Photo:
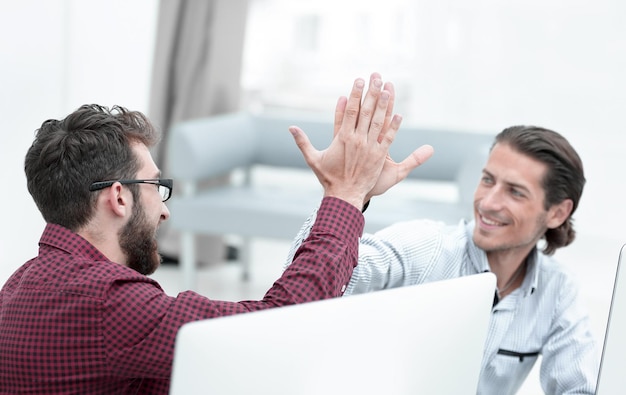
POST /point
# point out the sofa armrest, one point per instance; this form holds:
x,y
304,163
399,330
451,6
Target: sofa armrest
x,y
210,147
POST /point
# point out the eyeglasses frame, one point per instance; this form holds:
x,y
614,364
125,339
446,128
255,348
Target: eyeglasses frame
x,y
162,182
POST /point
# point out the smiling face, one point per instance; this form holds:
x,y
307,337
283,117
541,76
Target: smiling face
x,y
509,203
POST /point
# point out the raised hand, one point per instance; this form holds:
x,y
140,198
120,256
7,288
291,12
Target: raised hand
x,y
339,112
392,172
350,167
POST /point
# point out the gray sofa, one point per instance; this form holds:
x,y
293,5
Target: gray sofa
x,y
255,149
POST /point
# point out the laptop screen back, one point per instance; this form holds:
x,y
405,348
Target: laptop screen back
x,y
612,375
394,342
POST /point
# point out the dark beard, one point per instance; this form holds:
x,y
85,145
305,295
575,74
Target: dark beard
x,y
138,241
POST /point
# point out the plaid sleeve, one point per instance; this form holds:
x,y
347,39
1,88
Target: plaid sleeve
x,y
141,321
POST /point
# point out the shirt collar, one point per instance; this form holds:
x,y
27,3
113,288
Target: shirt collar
x,y
59,237
532,273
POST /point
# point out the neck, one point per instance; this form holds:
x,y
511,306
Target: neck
x,y
510,270
108,246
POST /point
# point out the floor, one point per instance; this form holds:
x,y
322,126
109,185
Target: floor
x,y
593,260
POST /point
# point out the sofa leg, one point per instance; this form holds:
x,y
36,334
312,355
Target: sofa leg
x,y
245,258
188,260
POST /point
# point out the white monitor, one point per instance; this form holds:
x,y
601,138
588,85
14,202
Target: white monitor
x,y
612,375
423,339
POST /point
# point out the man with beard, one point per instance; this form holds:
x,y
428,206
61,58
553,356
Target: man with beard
x,y
82,317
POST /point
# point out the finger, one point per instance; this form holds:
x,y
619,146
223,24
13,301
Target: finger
x,y
340,110
303,143
376,131
392,91
385,139
389,115
374,76
353,106
369,104
416,158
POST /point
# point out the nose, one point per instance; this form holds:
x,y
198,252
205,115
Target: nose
x,y
490,199
165,213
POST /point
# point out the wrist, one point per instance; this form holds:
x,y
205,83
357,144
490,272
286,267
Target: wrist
x,y
356,201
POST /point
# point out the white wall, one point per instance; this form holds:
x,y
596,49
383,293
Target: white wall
x,y
472,65
482,66
54,56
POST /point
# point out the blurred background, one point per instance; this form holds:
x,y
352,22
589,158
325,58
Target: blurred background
x,y
478,65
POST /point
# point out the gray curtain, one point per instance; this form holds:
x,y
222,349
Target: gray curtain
x,y
196,73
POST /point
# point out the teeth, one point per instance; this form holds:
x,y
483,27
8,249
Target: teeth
x,y
490,222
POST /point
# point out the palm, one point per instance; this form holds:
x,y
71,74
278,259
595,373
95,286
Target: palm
x,y
394,172
389,176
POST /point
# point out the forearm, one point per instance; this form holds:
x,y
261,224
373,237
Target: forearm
x,y
374,270
302,234
326,257
399,255
370,274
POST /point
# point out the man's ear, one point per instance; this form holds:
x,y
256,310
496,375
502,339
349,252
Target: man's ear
x,y
117,198
559,213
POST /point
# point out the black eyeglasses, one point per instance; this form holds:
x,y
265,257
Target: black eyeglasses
x,y
164,185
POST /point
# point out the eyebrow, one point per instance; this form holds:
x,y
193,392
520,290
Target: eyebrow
x,y
512,184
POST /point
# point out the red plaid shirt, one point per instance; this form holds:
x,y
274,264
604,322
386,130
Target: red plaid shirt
x,y
71,321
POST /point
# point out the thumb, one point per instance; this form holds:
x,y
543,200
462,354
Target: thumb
x,y
303,143
340,110
417,158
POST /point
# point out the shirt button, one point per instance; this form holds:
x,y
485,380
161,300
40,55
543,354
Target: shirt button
x,y
343,288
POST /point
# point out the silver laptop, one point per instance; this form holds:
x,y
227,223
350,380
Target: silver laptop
x,y
612,375
394,342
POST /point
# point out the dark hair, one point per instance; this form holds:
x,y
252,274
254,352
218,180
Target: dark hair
x,y
564,179
91,144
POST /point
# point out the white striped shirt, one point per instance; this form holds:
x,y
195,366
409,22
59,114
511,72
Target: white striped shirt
x,y
543,316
